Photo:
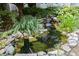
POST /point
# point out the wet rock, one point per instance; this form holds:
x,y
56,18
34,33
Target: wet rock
x,y
66,47
41,53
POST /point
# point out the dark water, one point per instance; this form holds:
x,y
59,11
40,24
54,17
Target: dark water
x,y
25,48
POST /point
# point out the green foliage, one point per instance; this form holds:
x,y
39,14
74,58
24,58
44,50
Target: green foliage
x,y
38,46
6,19
27,24
69,18
39,12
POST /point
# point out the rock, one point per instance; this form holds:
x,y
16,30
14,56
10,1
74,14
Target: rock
x,y
25,36
61,52
66,47
72,43
73,38
45,30
20,54
19,35
32,39
53,37
32,54
41,53
72,54
75,51
13,36
72,35
56,53
52,53
9,50
77,31
42,30
29,54
48,24
2,51
64,33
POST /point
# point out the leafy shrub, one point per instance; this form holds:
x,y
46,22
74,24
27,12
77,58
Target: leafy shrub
x,y
39,12
38,46
6,19
68,17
